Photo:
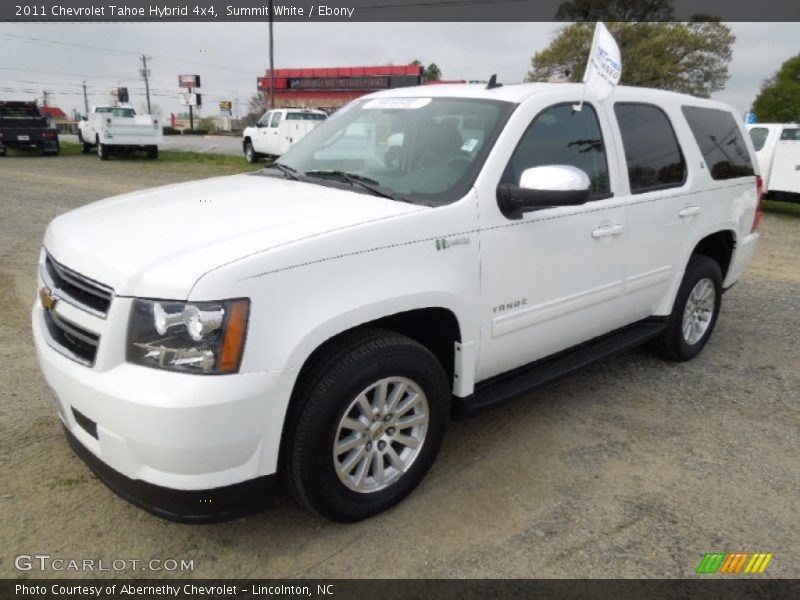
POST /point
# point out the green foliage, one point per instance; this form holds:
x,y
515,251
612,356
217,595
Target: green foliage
x,y
779,98
432,72
684,57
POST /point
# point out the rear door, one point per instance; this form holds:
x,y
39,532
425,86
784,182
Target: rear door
x,y
273,134
261,135
661,211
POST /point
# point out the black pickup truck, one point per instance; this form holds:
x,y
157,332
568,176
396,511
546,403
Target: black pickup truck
x,y
23,126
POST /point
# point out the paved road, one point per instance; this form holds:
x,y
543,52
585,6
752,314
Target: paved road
x,y
632,468
212,144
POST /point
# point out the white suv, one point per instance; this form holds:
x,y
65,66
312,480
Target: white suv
x,y
324,318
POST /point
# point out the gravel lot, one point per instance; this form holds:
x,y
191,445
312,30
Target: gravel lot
x,y
631,468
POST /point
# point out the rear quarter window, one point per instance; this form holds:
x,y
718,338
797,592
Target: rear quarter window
x,y
720,140
759,135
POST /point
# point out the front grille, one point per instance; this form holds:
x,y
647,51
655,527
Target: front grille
x,y
72,340
76,289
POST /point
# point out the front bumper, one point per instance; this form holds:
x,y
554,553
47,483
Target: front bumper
x,y
176,444
185,506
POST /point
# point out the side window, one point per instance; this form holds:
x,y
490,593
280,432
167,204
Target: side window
x,y
264,121
560,136
721,142
758,135
652,153
276,118
790,134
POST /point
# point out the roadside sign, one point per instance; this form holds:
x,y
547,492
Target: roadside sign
x,y
191,99
225,106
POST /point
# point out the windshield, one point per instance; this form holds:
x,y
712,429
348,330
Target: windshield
x,y
116,111
428,150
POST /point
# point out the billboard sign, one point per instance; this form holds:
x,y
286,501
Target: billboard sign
x,y
189,81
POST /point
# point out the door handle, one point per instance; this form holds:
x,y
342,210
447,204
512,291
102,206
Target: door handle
x,y
688,211
607,231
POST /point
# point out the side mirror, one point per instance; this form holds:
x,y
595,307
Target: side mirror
x,y
544,187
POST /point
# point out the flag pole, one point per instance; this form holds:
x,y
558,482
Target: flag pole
x,y
579,106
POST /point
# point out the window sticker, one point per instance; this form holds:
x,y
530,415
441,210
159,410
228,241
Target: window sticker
x,y
397,103
469,145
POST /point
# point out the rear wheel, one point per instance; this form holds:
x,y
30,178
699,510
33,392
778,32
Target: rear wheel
x,y
695,312
152,152
102,151
366,426
249,153
85,148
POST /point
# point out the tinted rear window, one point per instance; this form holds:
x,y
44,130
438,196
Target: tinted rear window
x,y
654,158
791,134
721,142
759,135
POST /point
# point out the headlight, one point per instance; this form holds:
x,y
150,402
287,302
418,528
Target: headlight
x,y
193,337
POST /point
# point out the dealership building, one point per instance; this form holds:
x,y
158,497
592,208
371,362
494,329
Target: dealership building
x,y
332,87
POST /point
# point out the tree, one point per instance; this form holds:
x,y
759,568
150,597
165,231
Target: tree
x,y
688,57
779,98
432,72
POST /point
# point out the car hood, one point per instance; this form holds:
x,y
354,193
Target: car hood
x,y
159,242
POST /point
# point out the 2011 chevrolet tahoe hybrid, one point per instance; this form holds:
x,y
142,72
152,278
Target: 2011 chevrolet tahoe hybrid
x,y
421,255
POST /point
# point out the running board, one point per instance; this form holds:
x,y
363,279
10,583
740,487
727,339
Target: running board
x,y
509,385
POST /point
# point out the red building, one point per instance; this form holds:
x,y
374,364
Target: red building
x,y
332,87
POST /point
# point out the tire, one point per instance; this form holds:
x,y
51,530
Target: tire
x,y
102,151
152,152
702,287
2,151
354,367
250,154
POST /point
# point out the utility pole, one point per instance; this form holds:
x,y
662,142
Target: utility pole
x,y
271,58
85,99
45,98
146,73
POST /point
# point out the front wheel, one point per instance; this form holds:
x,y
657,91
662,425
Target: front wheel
x,y
102,151
366,426
695,312
85,148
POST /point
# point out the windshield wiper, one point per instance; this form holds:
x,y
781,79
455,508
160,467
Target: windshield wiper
x,y
366,183
287,171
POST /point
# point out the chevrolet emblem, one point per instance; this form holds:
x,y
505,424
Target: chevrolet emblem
x,y
48,298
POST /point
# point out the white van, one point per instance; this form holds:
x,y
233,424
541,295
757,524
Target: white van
x,y
325,317
777,148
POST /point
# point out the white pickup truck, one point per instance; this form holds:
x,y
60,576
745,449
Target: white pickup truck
x,y
277,130
325,317
119,129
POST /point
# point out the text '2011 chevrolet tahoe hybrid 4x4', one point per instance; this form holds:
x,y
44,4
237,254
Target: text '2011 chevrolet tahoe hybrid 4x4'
x,y
324,318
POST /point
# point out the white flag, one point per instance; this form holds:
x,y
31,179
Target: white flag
x,y
605,63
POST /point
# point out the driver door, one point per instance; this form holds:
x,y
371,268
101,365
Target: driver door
x,y
554,277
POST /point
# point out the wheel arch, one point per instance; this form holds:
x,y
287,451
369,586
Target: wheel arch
x,y
718,246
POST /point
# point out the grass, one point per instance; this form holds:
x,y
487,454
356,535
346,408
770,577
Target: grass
x,y
173,156
784,208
